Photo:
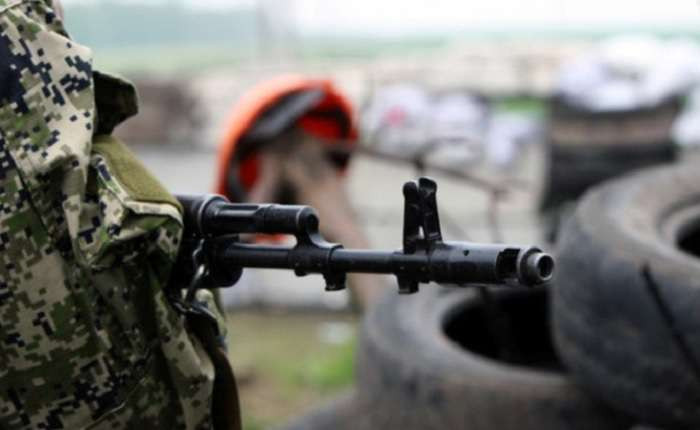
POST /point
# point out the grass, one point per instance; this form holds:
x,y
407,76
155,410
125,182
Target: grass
x,y
521,104
286,363
328,372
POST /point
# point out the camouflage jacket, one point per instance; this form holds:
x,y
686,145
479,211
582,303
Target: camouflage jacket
x,y
87,239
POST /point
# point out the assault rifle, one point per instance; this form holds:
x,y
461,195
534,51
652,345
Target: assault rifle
x,y
217,256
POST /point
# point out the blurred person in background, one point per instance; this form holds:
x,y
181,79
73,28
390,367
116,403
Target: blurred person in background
x,y
289,140
91,338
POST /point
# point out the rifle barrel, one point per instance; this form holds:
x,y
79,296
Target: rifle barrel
x,y
457,263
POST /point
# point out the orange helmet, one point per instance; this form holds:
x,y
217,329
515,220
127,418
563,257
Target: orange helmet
x,y
314,105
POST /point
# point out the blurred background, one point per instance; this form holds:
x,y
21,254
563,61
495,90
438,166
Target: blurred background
x,y
514,107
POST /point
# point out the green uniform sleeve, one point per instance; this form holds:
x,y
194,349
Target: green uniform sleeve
x,y
88,338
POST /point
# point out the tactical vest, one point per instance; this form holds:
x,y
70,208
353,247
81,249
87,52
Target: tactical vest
x,y
88,338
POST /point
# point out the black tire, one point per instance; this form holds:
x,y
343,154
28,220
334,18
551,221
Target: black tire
x,y
626,302
585,148
413,374
574,169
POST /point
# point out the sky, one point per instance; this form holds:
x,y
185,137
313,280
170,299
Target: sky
x,y
412,16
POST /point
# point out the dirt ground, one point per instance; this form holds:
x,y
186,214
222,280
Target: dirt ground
x,y
288,362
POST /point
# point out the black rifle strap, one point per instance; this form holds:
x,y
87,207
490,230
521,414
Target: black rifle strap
x,y
226,410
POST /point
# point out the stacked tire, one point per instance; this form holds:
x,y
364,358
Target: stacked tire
x,y
626,303
585,148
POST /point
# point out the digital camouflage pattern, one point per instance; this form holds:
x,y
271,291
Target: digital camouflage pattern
x,y
87,336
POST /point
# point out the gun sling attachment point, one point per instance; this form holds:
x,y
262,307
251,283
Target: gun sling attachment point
x,y
212,248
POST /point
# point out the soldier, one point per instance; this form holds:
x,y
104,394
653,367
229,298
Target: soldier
x,y
89,336
289,139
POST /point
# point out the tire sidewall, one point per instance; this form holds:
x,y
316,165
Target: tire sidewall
x,y
411,375
620,279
